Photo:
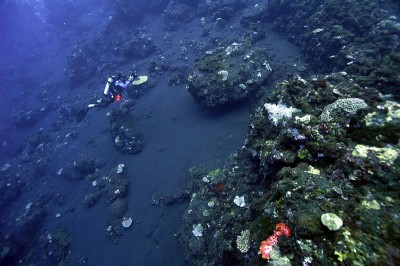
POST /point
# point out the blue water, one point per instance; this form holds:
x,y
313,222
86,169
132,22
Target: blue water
x,y
178,135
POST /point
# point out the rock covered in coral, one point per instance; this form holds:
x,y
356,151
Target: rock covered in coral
x,y
229,75
212,206
10,186
349,40
129,11
29,118
119,207
92,56
116,186
126,136
223,9
22,232
137,46
91,199
175,15
256,14
81,64
80,168
57,246
116,190
319,167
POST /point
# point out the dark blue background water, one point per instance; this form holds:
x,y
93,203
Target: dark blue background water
x,y
179,134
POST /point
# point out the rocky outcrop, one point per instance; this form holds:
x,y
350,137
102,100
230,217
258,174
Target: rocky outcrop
x,y
228,75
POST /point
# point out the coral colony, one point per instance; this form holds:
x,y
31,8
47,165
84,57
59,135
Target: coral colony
x,y
267,245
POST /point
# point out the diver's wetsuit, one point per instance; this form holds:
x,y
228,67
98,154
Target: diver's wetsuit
x,y
112,89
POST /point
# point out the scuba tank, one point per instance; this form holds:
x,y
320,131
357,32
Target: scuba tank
x,y
107,87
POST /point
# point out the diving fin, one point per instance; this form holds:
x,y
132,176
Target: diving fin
x,y
140,80
82,113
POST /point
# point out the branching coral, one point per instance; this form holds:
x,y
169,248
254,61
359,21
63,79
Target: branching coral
x,y
267,245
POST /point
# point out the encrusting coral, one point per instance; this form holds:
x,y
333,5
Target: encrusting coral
x,y
268,245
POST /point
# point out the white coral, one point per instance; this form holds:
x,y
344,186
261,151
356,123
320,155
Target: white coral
x,y
243,241
239,201
197,230
349,105
120,168
224,74
127,222
279,113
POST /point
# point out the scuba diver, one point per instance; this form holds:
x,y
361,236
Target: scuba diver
x,y
113,90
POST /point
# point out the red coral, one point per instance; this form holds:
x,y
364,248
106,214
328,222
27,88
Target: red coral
x,y
283,229
219,187
267,245
321,84
265,249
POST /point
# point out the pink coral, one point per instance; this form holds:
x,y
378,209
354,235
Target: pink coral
x,y
282,229
267,245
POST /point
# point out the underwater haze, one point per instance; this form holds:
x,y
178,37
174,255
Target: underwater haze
x,y
203,132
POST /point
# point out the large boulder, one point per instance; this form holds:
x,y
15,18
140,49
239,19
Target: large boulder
x,y
129,11
176,15
229,75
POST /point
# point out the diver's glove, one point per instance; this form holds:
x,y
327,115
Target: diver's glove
x,y
133,75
